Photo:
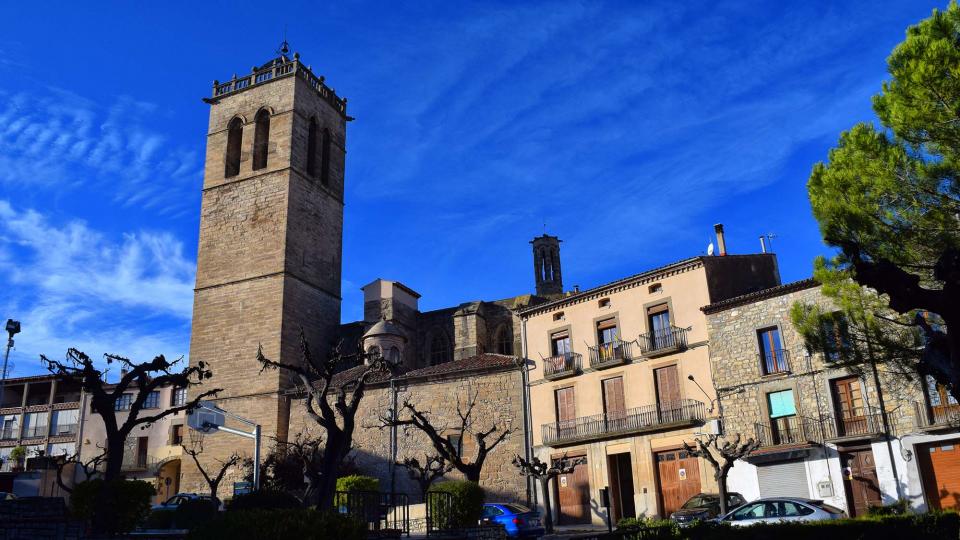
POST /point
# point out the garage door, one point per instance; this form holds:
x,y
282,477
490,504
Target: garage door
x,y
678,479
573,493
786,479
940,469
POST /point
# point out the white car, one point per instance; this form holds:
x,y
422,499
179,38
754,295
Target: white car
x,y
781,510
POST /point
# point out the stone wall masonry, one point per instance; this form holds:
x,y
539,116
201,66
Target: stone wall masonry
x,y
499,400
735,364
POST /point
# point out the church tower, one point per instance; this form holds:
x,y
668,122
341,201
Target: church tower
x,y
271,227
546,265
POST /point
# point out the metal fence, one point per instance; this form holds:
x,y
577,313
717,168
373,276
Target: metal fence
x,y
629,420
380,511
441,513
561,365
662,341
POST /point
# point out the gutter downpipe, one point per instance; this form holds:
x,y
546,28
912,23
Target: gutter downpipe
x,y
527,435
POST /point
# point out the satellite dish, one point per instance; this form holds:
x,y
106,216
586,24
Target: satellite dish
x,y
710,249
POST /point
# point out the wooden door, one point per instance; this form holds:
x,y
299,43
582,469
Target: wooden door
x,y
620,480
573,496
614,406
860,481
668,394
848,406
940,473
678,479
566,411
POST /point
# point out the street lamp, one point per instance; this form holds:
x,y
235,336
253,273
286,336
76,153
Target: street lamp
x,y
13,328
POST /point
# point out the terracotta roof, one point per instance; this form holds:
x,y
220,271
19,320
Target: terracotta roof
x,y
480,362
474,364
750,298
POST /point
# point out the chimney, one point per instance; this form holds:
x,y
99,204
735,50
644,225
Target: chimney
x,y
763,244
721,243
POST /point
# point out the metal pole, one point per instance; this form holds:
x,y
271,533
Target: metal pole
x,y
256,458
3,376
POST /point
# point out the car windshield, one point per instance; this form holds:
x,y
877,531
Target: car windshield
x,y
516,508
701,501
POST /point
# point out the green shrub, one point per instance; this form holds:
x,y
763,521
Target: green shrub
x,y
194,513
357,482
263,500
129,504
900,507
299,524
466,503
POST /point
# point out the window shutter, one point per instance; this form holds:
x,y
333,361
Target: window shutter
x,y
782,404
660,308
609,323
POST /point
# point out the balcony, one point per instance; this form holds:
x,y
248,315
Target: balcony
x,y
35,432
661,416
788,430
610,354
775,363
938,416
662,342
561,365
861,422
63,430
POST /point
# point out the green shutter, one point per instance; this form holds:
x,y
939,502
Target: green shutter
x,y
781,404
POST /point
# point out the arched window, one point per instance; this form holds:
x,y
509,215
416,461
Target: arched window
x,y
394,355
312,148
439,349
325,158
234,147
503,342
261,139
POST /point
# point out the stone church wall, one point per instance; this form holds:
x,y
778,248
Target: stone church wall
x,y
499,400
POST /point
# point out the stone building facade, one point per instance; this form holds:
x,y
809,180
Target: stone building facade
x,y
825,430
495,381
620,374
269,262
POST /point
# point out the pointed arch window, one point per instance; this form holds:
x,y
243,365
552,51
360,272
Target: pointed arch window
x,y
234,147
439,349
261,139
504,340
312,147
325,158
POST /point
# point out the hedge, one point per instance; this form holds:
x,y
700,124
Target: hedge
x,y
129,505
932,526
466,504
299,524
357,482
263,499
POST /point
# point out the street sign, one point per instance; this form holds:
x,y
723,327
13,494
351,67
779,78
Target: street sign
x,y
242,488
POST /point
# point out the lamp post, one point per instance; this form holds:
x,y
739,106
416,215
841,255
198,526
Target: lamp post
x,y
13,328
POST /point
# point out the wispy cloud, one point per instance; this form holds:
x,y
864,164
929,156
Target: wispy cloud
x,y
75,287
53,138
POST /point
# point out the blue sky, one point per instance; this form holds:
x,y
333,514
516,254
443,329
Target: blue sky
x,y
628,128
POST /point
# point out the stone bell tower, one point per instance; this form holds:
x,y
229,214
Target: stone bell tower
x,y
271,228
546,265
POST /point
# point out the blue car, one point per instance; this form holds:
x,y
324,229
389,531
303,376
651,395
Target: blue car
x,y
518,520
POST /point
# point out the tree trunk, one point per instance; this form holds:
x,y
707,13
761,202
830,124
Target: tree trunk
x,y
721,478
547,510
471,472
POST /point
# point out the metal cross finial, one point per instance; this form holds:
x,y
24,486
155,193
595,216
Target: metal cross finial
x,y
284,46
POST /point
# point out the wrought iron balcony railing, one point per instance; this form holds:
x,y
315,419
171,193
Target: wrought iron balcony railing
x,y
936,416
774,362
788,430
34,432
610,354
638,419
61,430
858,422
662,342
561,365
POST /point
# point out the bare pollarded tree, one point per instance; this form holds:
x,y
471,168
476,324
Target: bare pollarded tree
x,y
332,405
91,467
486,439
213,479
721,454
544,473
426,473
137,381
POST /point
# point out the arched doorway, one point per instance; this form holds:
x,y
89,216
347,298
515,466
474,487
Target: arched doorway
x,y
168,480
